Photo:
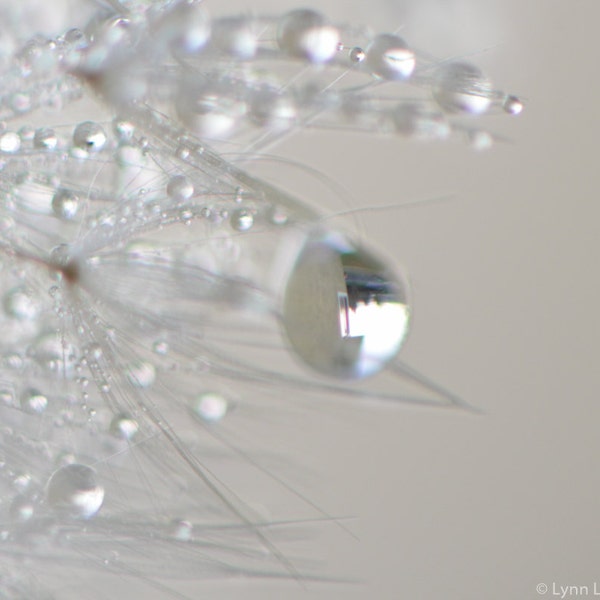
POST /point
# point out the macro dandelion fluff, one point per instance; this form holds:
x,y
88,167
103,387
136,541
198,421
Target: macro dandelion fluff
x,y
151,283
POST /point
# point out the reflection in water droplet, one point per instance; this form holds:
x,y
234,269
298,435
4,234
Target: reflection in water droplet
x,y
73,492
89,135
124,426
344,313
390,58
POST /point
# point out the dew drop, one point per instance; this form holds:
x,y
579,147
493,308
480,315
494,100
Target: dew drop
x,y
10,142
389,57
512,105
21,509
180,188
124,427
357,54
34,402
45,139
65,204
241,220
344,313
306,34
461,87
89,136
74,493
272,110
21,305
181,530
141,374
210,406
235,36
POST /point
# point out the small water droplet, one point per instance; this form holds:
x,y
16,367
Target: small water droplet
x,y
90,136
45,139
357,54
512,105
210,406
20,304
389,57
241,220
306,34
124,426
10,142
460,87
33,401
65,204
141,374
180,188
74,493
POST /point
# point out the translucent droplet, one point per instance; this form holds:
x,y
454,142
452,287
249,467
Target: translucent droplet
x,y
461,87
389,57
186,28
241,220
181,530
45,139
357,55
21,509
236,36
55,354
160,347
124,129
210,406
10,142
180,188
65,204
306,34
141,374
512,105
212,112
20,304
124,426
73,492
412,120
34,402
89,136
272,109
345,314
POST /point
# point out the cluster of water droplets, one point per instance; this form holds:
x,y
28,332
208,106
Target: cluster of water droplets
x,y
140,271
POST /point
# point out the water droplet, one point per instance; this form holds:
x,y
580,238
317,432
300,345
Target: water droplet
x,y
20,304
344,313
124,426
272,109
241,220
180,188
181,530
89,136
65,204
10,142
34,402
123,129
306,34
141,374
45,139
73,492
21,509
389,57
160,347
357,55
235,36
512,105
210,406
461,87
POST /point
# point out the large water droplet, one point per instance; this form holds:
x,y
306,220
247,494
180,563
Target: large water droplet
x,y
461,87
306,33
345,314
73,492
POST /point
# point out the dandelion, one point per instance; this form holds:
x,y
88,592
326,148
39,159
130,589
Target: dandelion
x,y
154,290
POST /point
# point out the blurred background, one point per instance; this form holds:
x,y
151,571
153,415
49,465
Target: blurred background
x,y
506,295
